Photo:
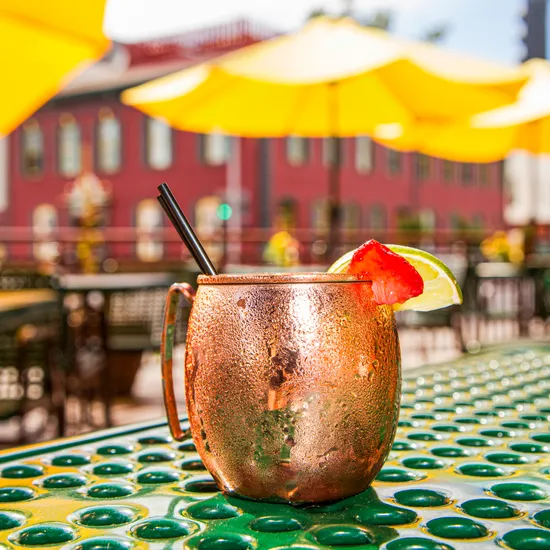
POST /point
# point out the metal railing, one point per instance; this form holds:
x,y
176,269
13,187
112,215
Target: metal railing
x,y
22,245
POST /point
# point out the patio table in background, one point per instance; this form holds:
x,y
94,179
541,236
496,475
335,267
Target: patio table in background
x,y
18,307
109,320
470,468
505,292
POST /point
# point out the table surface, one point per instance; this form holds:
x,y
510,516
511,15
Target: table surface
x,y
12,300
470,468
114,281
21,307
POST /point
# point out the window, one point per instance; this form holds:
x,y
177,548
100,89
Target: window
x,y
44,222
377,217
207,223
69,147
427,219
159,148
108,145
297,150
406,220
393,159
149,218
86,197
206,218
32,149
215,148
483,174
330,151
351,216
478,222
448,171
467,172
287,213
320,216
364,154
456,222
423,167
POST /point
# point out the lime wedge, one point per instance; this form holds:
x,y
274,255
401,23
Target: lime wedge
x,y
440,286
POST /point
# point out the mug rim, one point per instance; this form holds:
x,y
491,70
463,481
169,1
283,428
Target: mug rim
x,y
311,277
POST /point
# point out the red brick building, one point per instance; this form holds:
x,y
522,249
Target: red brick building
x,y
379,187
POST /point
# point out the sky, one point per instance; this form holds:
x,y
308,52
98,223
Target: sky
x,y
490,29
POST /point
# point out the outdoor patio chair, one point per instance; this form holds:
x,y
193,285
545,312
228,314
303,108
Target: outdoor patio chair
x,y
504,301
428,328
21,279
134,326
31,398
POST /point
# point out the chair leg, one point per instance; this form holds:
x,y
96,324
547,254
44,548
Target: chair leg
x,y
424,345
457,328
20,366
58,383
107,392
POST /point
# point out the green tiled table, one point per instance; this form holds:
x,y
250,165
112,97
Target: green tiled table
x,y
470,468
20,307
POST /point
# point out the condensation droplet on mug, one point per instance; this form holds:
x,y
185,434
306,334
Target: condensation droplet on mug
x,y
363,371
271,350
331,450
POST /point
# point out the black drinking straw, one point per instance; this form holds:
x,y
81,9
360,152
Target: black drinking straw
x,y
185,231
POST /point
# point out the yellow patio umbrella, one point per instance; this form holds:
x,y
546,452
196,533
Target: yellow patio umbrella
x,y
44,44
489,136
334,78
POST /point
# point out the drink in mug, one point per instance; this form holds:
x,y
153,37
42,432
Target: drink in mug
x,y
292,382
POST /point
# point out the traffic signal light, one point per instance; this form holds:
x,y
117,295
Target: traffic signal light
x,y
224,212
534,35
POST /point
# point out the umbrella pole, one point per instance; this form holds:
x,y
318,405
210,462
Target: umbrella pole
x,y
536,162
534,165
234,196
334,199
335,173
534,158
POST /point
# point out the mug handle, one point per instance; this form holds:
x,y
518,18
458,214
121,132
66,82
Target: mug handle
x,y
166,351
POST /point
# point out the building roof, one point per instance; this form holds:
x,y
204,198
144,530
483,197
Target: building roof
x,y
94,80
128,65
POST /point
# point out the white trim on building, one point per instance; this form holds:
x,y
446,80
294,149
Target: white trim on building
x,y
4,173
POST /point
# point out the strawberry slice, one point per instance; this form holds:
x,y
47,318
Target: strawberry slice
x,y
394,279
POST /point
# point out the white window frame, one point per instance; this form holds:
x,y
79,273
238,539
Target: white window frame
x,y
297,150
159,144
69,167
30,126
217,148
108,147
364,155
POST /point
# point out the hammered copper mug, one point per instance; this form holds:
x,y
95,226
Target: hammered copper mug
x,y
292,383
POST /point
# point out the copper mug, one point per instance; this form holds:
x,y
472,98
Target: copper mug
x,y
292,383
